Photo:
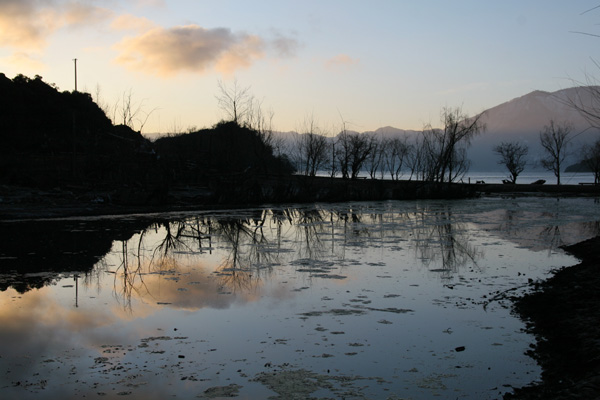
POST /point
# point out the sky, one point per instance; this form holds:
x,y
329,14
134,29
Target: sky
x,y
367,64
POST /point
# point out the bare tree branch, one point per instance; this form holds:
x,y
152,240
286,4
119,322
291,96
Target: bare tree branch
x,y
235,101
555,139
512,156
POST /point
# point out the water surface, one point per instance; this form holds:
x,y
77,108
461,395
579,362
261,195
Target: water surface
x,y
355,300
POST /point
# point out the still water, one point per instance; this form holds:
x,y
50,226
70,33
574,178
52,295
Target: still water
x,y
377,300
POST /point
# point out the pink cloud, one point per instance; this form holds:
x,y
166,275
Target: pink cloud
x,y
192,48
26,24
341,60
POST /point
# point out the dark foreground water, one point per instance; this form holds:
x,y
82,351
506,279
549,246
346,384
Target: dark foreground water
x,y
351,300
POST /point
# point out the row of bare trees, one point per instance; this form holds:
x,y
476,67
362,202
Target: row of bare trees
x,y
434,154
438,155
556,139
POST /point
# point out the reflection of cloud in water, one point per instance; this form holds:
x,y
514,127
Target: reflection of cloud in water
x,y
230,272
192,291
192,286
41,322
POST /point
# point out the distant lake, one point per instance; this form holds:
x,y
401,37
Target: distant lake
x,y
358,300
566,178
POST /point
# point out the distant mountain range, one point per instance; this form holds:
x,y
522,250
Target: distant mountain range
x,y
520,119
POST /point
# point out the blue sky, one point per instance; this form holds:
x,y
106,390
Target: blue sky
x,y
373,63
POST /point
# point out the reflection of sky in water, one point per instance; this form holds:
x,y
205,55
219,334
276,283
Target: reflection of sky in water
x,y
384,291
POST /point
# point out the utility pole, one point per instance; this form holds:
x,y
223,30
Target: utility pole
x,y
74,160
75,62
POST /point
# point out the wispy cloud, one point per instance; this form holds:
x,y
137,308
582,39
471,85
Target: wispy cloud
x,y
26,24
128,22
26,27
341,60
79,14
192,48
150,3
284,46
24,62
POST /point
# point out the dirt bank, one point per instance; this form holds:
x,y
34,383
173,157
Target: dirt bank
x,y
564,315
19,202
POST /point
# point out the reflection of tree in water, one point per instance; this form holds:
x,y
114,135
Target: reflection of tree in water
x,y
591,228
249,252
551,236
354,232
330,232
128,275
256,240
352,223
542,230
310,226
174,238
247,259
510,223
317,231
440,237
136,260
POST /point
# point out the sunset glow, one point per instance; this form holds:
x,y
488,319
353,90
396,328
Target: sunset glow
x,y
375,64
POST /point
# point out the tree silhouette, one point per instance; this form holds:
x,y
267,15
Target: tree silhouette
x,y
235,101
512,156
555,139
591,159
445,149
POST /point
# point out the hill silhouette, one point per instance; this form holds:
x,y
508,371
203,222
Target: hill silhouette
x,y
227,148
64,146
51,138
64,139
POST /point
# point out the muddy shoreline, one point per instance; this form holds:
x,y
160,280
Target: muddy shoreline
x,y
20,202
563,313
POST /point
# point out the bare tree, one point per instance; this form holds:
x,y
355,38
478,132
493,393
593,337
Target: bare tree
x,y
376,156
512,156
130,113
342,152
591,159
361,146
311,154
415,158
260,121
351,151
555,139
333,165
99,100
446,148
586,99
235,101
389,156
246,111
397,150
